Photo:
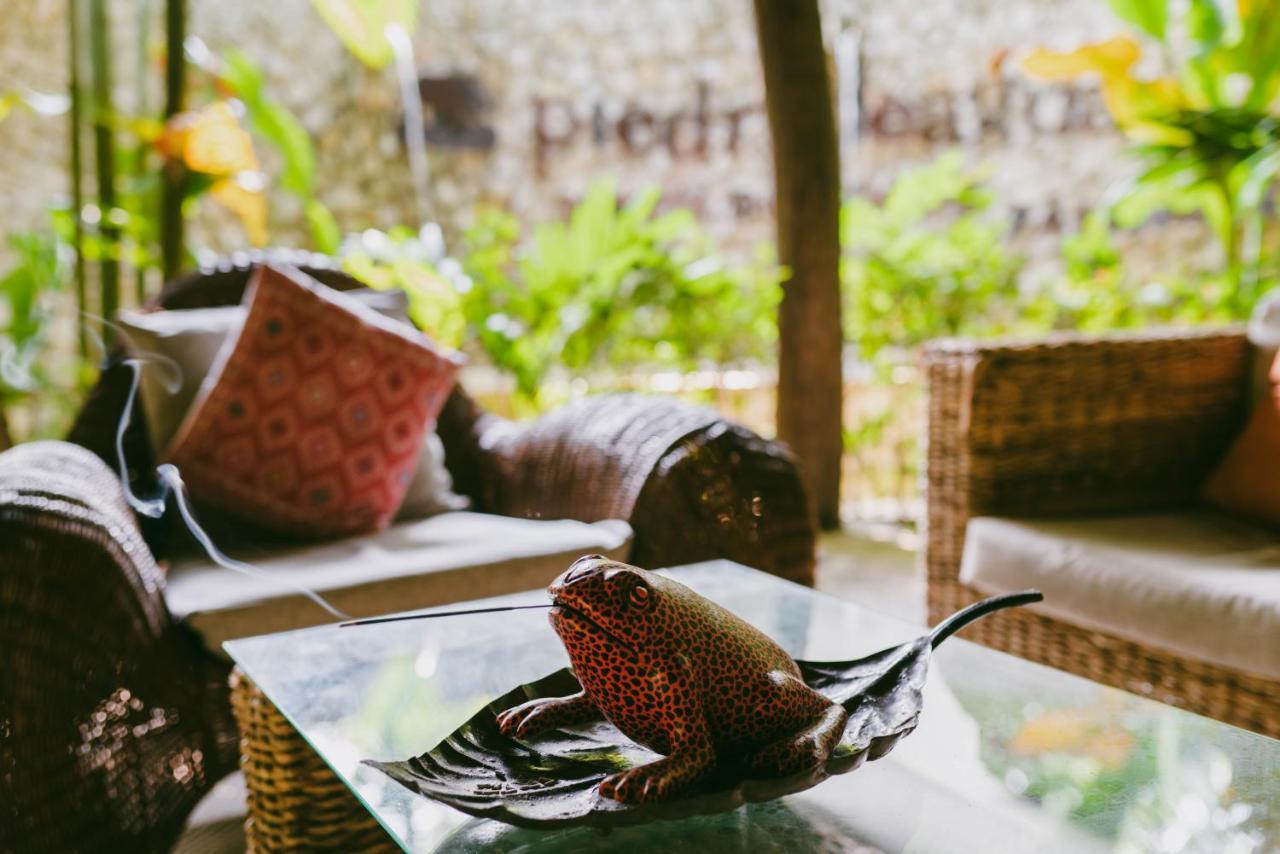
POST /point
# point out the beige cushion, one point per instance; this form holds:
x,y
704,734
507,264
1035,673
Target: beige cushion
x,y
1198,583
430,490
447,558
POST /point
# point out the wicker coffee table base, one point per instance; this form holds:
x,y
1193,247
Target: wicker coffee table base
x,y
296,802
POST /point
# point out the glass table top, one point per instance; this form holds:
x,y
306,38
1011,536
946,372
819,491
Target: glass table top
x,y
1008,755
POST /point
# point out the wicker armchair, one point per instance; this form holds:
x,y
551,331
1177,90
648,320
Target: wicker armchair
x,y
114,721
1072,426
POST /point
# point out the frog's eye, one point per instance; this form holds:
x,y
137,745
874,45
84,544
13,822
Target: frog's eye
x,y
639,596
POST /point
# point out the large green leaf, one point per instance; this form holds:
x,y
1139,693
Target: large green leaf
x,y
551,780
325,233
1205,24
362,25
282,130
1258,53
1150,16
1259,174
1171,185
273,122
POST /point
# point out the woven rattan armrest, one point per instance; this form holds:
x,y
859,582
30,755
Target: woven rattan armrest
x,y
113,723
1074,425
693,485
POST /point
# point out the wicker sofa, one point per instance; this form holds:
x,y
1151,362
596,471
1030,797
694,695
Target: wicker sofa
x,y
1021,433
115,719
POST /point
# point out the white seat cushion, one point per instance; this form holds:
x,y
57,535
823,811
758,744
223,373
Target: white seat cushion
x,y
1197,583
446,558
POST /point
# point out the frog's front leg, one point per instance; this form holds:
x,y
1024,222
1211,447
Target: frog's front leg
x,y
688,744
537,716
689,759
805,749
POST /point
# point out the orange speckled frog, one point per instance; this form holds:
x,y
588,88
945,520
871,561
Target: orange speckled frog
x,y
680,675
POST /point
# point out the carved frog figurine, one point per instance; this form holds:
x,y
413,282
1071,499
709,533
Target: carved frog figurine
x,y
680,675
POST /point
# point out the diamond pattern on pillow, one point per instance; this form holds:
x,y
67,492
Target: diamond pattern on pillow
x,y
312,419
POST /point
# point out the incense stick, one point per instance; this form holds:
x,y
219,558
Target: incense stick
x,y
371,620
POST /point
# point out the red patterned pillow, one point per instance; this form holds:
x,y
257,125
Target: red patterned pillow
x,y
311,420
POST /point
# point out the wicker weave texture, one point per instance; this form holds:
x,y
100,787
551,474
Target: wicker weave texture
x,y
296,802
1084,426
111,722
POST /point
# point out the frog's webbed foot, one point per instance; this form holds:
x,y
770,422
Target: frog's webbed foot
x,y
805,749
537,716
660,779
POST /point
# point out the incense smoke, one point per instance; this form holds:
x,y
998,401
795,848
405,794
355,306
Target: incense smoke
x,y
171,485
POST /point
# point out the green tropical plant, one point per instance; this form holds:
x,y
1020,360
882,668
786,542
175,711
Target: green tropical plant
x,y
415,262
1097,292
28,294
25,288
105,154
614,285
926,261
362,25
1207,127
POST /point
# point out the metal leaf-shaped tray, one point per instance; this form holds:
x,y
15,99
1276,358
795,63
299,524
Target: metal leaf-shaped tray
x,y
551,781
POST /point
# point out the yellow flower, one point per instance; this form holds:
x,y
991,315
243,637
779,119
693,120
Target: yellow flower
x,y
1109,58
210,141
1131,102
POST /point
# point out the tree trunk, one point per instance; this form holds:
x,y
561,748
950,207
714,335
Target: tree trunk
x,y
807,181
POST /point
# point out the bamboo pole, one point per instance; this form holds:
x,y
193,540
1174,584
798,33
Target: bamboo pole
x,y
175,69
74,11
807,180
141,108
104,160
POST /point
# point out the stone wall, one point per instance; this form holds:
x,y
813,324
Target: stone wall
x,y
33,149
666,92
